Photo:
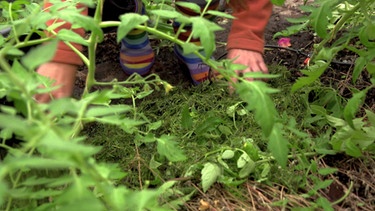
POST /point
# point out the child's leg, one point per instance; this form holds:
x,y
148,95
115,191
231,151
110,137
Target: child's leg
x,y
136,55
198,70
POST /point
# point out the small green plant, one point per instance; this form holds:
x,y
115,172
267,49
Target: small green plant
x,y
51,133
341,26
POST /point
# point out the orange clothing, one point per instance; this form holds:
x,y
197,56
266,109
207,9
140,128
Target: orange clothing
x,y
247,31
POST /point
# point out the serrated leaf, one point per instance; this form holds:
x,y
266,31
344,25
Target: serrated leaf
x,y
210,173
320,18
278,146
167,146
315,71
128,22
39,55
353,105
227,154
264,108
205,31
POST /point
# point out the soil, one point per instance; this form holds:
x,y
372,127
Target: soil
x,y
360,173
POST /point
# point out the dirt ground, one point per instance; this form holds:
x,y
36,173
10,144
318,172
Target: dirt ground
x,y
350,169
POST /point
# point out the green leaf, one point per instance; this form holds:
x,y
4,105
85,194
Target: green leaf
x,y
370,116
352,149
204,29
243,160
336,122
353,105
220,14
359,66
208,125
320,17
128,22
291,30
327,171
168,147
227,154
86,22
143,94
189,48
186,119
366,35
210,173
315,71
38,163
13,51
225,130
371,68
39,55
278,146
70,36
324,203
256,94
252,150
155,125
33,180
322,184
4,192
247,169
141,200
98,111
193,6
166,13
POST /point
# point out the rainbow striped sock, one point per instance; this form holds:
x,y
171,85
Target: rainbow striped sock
x,y
136,54
199,71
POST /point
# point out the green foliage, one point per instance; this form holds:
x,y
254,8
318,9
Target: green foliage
x,y
56,167
341,25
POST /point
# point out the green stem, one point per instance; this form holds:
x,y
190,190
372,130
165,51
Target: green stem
x,y
12,21
345,195
179,30
90,79
158,17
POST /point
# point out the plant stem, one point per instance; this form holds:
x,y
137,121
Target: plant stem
x,y
90,79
